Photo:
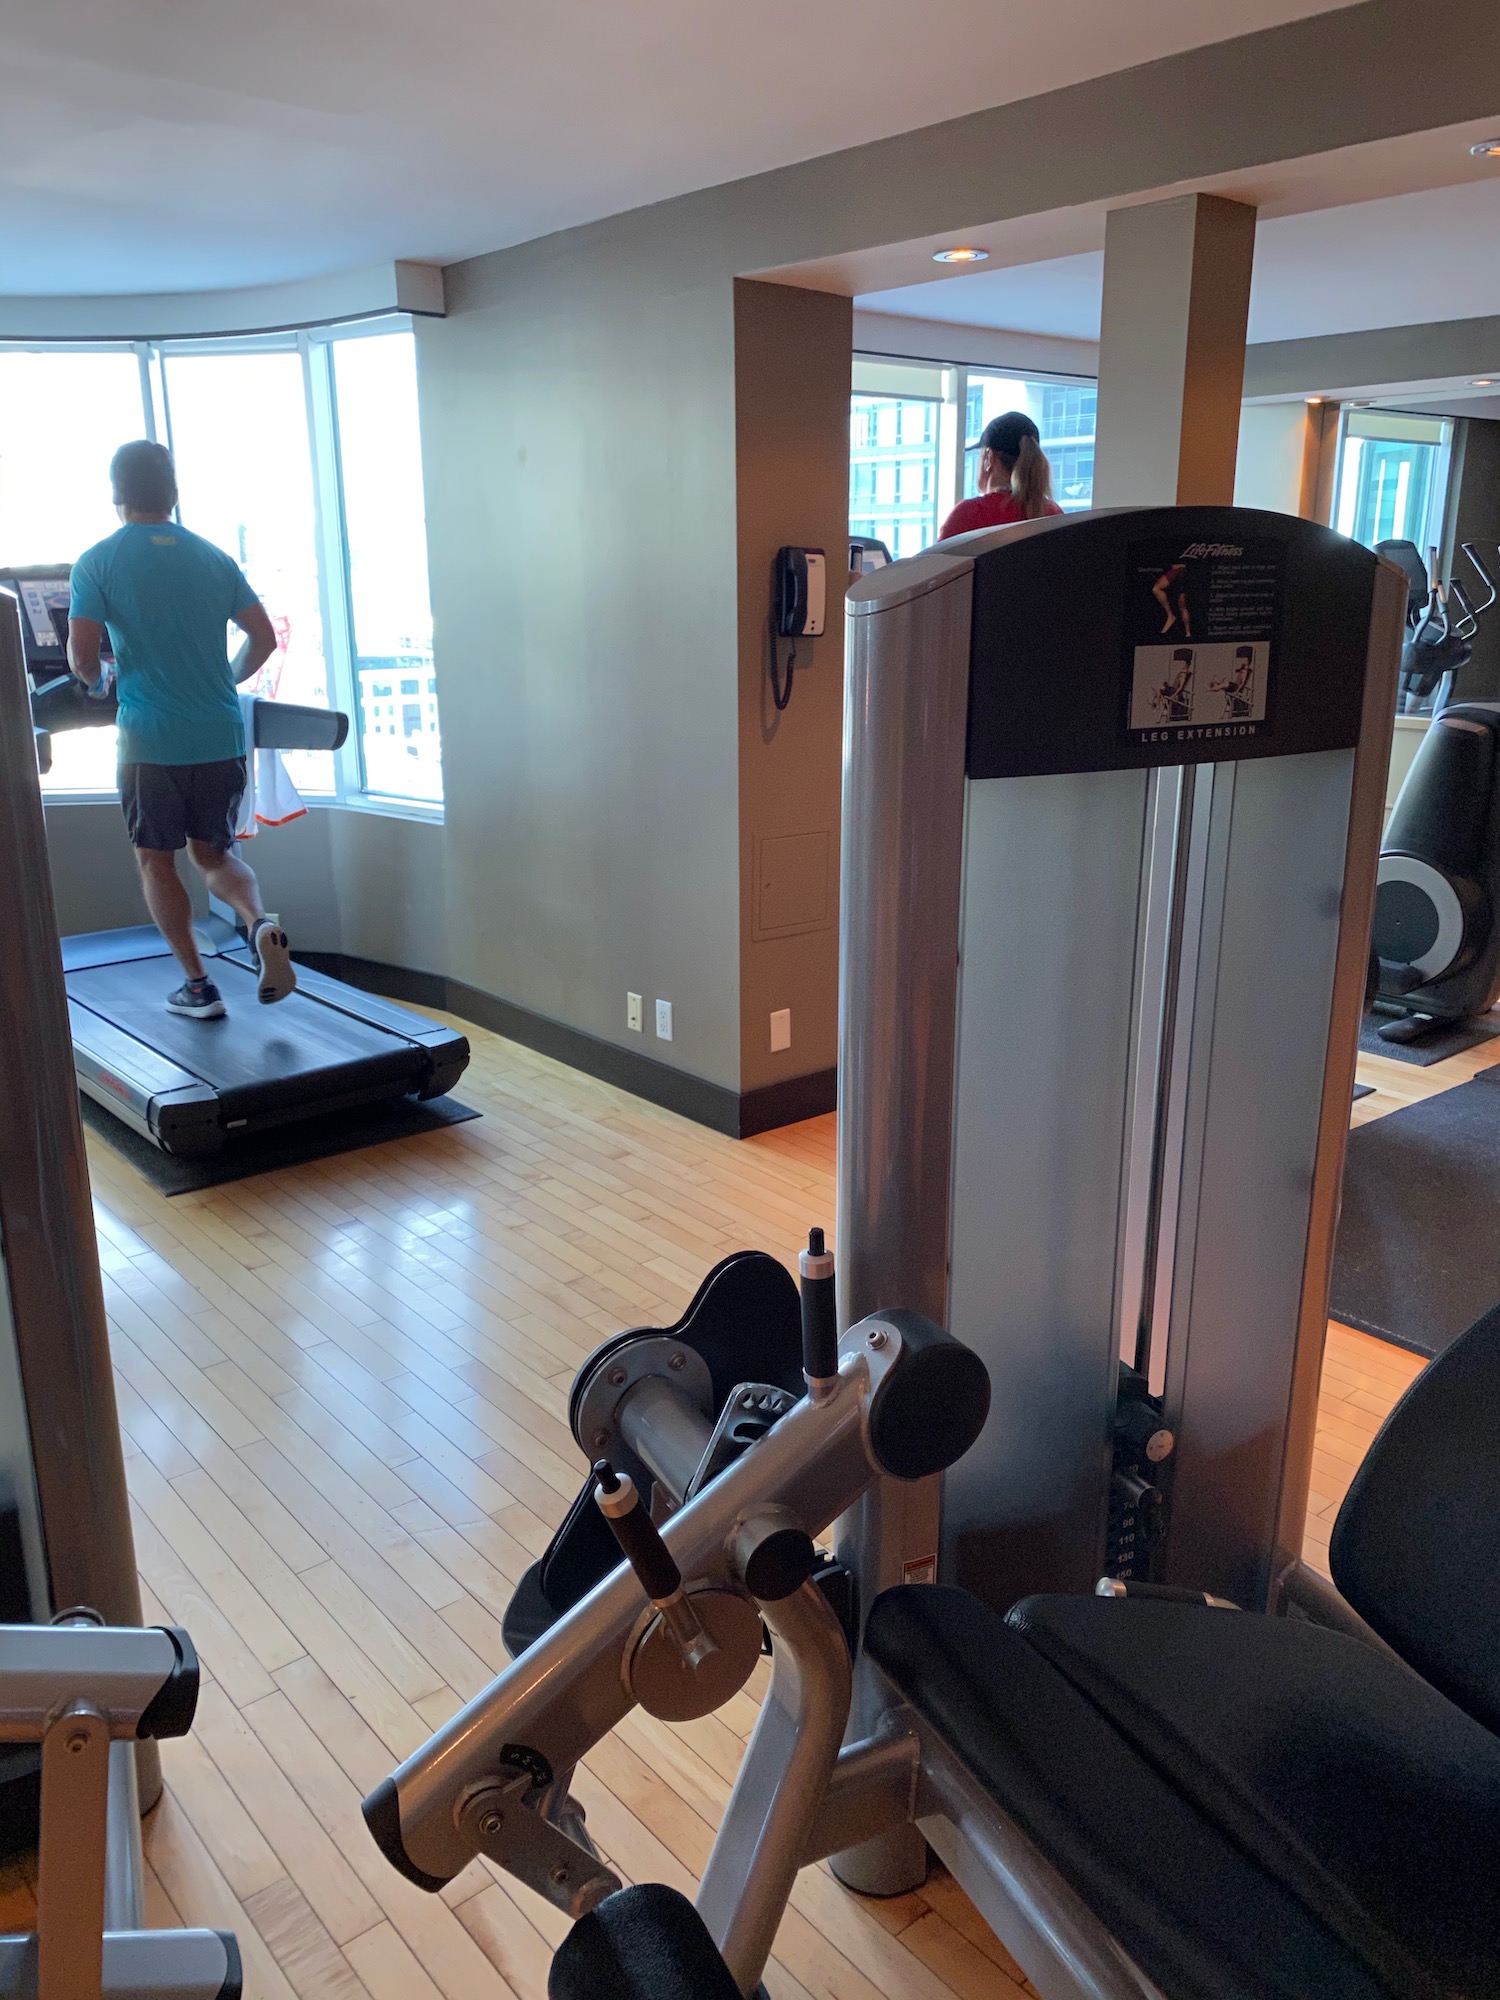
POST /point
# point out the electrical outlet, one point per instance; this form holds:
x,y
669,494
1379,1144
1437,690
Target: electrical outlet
x,y
635,1013
664,1020
781,1030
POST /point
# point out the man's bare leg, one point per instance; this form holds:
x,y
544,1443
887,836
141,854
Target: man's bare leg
x,y
231,881
170,906
234,883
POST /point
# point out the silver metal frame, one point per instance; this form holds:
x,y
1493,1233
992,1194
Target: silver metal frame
x,y
482,1784
1206,1181
81,1691
572,1686
1061,1946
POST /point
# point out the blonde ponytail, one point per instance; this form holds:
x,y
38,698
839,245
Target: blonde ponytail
x,y
1031,479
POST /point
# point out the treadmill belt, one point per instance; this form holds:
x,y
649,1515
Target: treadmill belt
x,y
251,1046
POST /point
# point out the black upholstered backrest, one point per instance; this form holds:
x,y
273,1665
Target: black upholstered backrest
x,y
1416,1547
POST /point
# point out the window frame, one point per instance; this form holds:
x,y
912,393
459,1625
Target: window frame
x,y
314,347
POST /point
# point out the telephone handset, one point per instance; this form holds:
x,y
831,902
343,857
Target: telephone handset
x,y
799,600
801,592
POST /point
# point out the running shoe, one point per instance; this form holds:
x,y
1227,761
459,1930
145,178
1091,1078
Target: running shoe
x,y
198,997
278,976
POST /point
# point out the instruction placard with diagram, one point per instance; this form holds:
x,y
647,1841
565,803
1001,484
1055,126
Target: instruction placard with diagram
x,y
1201,626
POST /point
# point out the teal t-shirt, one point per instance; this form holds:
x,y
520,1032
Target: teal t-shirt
x,y
166,597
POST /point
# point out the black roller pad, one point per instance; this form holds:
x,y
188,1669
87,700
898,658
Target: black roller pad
x,y
643,1943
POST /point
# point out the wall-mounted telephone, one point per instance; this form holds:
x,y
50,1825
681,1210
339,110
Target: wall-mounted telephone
x,y
801,593
799,604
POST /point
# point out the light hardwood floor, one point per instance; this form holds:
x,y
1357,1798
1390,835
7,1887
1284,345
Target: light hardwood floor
x,y
343,1390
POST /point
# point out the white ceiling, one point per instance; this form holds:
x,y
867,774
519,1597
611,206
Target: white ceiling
x,y
1408,258
160,145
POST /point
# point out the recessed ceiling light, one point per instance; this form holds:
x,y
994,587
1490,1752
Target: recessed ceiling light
x,y
1365,404
1483,382
1487,149
962,253
1313,399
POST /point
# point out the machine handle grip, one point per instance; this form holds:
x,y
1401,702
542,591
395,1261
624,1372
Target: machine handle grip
x,y
640,1542
820,1327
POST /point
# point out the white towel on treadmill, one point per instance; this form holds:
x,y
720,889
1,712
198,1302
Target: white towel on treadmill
x,y
271,799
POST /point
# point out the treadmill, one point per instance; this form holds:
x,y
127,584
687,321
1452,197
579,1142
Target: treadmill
x,y
195,1087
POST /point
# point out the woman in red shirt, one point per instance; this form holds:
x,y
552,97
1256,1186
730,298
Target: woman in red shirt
x,y
1015,480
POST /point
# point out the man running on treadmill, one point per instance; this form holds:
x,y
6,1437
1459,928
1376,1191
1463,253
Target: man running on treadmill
x,y
167,597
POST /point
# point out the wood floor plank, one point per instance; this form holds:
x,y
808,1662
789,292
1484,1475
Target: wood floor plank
x,y
516,1949
331,1886
198,1890
424,1924
301,1945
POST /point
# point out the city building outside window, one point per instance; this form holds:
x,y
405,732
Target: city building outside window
x,y
893,471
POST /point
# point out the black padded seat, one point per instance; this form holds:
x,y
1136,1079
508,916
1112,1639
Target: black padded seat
x,y
1348,1779
1268,1771
1194,1911
1416,1547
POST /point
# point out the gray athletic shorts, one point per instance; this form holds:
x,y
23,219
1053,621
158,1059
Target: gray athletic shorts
x,y
167,805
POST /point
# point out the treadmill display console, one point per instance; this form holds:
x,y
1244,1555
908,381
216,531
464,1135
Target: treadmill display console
x,y
44,594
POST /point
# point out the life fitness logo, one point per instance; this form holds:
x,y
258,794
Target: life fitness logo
x,y
1195,549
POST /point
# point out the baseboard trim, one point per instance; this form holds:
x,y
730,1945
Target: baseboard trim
x,y
738,1114
788,1102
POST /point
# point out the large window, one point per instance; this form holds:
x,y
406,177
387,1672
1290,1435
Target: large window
x,y
244,473
1393,478
1392,486
898,442
300,456
914,430
385,532
55,407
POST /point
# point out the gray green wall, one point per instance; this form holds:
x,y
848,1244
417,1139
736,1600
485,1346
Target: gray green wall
x,y
578,441
353,882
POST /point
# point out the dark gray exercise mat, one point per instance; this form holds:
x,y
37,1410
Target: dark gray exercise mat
x,y
1418,1255
284,1146
1432,1048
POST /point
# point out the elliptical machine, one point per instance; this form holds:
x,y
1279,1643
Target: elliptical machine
x,y
1436,933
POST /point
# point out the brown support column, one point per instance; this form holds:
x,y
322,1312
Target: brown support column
x,y
1320,461
793,351
51,1295
1172,351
